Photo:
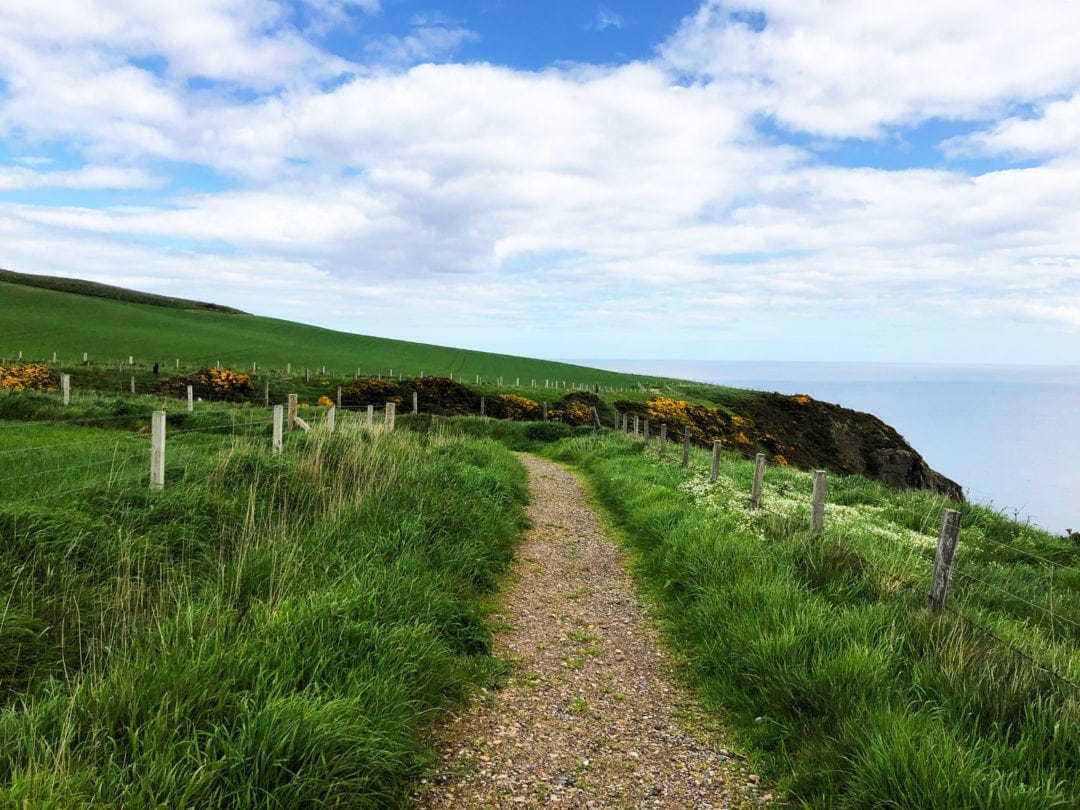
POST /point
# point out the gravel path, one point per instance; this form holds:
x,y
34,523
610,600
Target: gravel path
x,y
591,715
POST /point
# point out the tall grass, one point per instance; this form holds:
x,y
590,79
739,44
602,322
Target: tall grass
x,y
821,650
267,631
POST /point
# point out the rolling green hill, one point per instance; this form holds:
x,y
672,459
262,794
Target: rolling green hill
x,y
111,324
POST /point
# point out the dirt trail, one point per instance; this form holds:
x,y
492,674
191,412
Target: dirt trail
x,y
591,716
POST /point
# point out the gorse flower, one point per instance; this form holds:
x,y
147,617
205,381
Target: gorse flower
x,y
25,376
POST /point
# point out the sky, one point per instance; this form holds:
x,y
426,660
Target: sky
x,y
776,180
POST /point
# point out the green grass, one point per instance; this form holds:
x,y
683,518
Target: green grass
x,y
40,321
821,650
269,630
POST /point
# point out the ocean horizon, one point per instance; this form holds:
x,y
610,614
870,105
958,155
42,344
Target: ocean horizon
x,y
1008,434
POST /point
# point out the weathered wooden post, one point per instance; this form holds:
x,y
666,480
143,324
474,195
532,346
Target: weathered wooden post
x,y
157,450
685,447
615,422
131,359
178,362
133,385
370,417
339,396
645,431
254,368
625,419
331,418
715,471
279,414
54,357
483,406
85,358
595,418
266,394
291,415
307,375
663,438
637,428
817,507
759,476
288,369
389,421
545,411
940,580
190,398
65,388
415,403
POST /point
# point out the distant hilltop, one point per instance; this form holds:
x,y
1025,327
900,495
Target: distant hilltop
x,y
97,290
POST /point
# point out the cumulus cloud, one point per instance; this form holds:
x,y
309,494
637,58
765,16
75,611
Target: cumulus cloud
x,y
850,68
643,191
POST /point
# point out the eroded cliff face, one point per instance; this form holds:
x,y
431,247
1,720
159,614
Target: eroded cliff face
x,y
818,435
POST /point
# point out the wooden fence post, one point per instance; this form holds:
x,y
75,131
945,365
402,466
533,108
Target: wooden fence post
x,y
624,421
817,507
415,404
483,405
291,415
266,394
948,537
545,410
715,471
331,416
615,424
85,358
759,476
595,419
636,427
279,414
663,438
133,385
288,369
307,375
391,408
65,388
339,396
190,399
131,359
645,431
157,450
685,447
370,417
54,357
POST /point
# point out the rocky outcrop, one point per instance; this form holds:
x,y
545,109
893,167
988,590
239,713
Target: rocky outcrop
x,y
818,435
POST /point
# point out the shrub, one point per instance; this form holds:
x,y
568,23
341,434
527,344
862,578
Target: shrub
x,y
517,408
371,391
218,384
547,431
442,396
26,376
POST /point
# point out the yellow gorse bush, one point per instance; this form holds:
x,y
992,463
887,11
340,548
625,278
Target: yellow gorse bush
x,y
520,408
325,402
26,376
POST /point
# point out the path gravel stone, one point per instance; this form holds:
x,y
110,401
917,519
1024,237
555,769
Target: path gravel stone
x,y
591,715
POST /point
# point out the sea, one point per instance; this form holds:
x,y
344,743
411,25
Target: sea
x,y
1009,435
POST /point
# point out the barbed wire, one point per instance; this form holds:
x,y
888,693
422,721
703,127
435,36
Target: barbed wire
x,y
1053,616
1006,643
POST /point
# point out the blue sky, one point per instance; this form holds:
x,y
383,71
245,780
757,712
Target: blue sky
x,y
842,180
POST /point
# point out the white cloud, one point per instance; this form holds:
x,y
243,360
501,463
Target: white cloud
x,y
848,68
1054,131
425,43
88,177
606,18
538,199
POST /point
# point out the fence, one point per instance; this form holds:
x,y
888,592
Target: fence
x,y
935,584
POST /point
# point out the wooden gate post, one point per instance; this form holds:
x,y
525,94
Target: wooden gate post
x,y
817,507
279,417
291,415
759,475
940,580
157,450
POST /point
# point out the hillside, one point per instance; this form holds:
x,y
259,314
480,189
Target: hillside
x,y
42,316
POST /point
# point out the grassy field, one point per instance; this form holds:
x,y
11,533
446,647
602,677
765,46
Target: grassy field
x,y
39,321
269,630
821,649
